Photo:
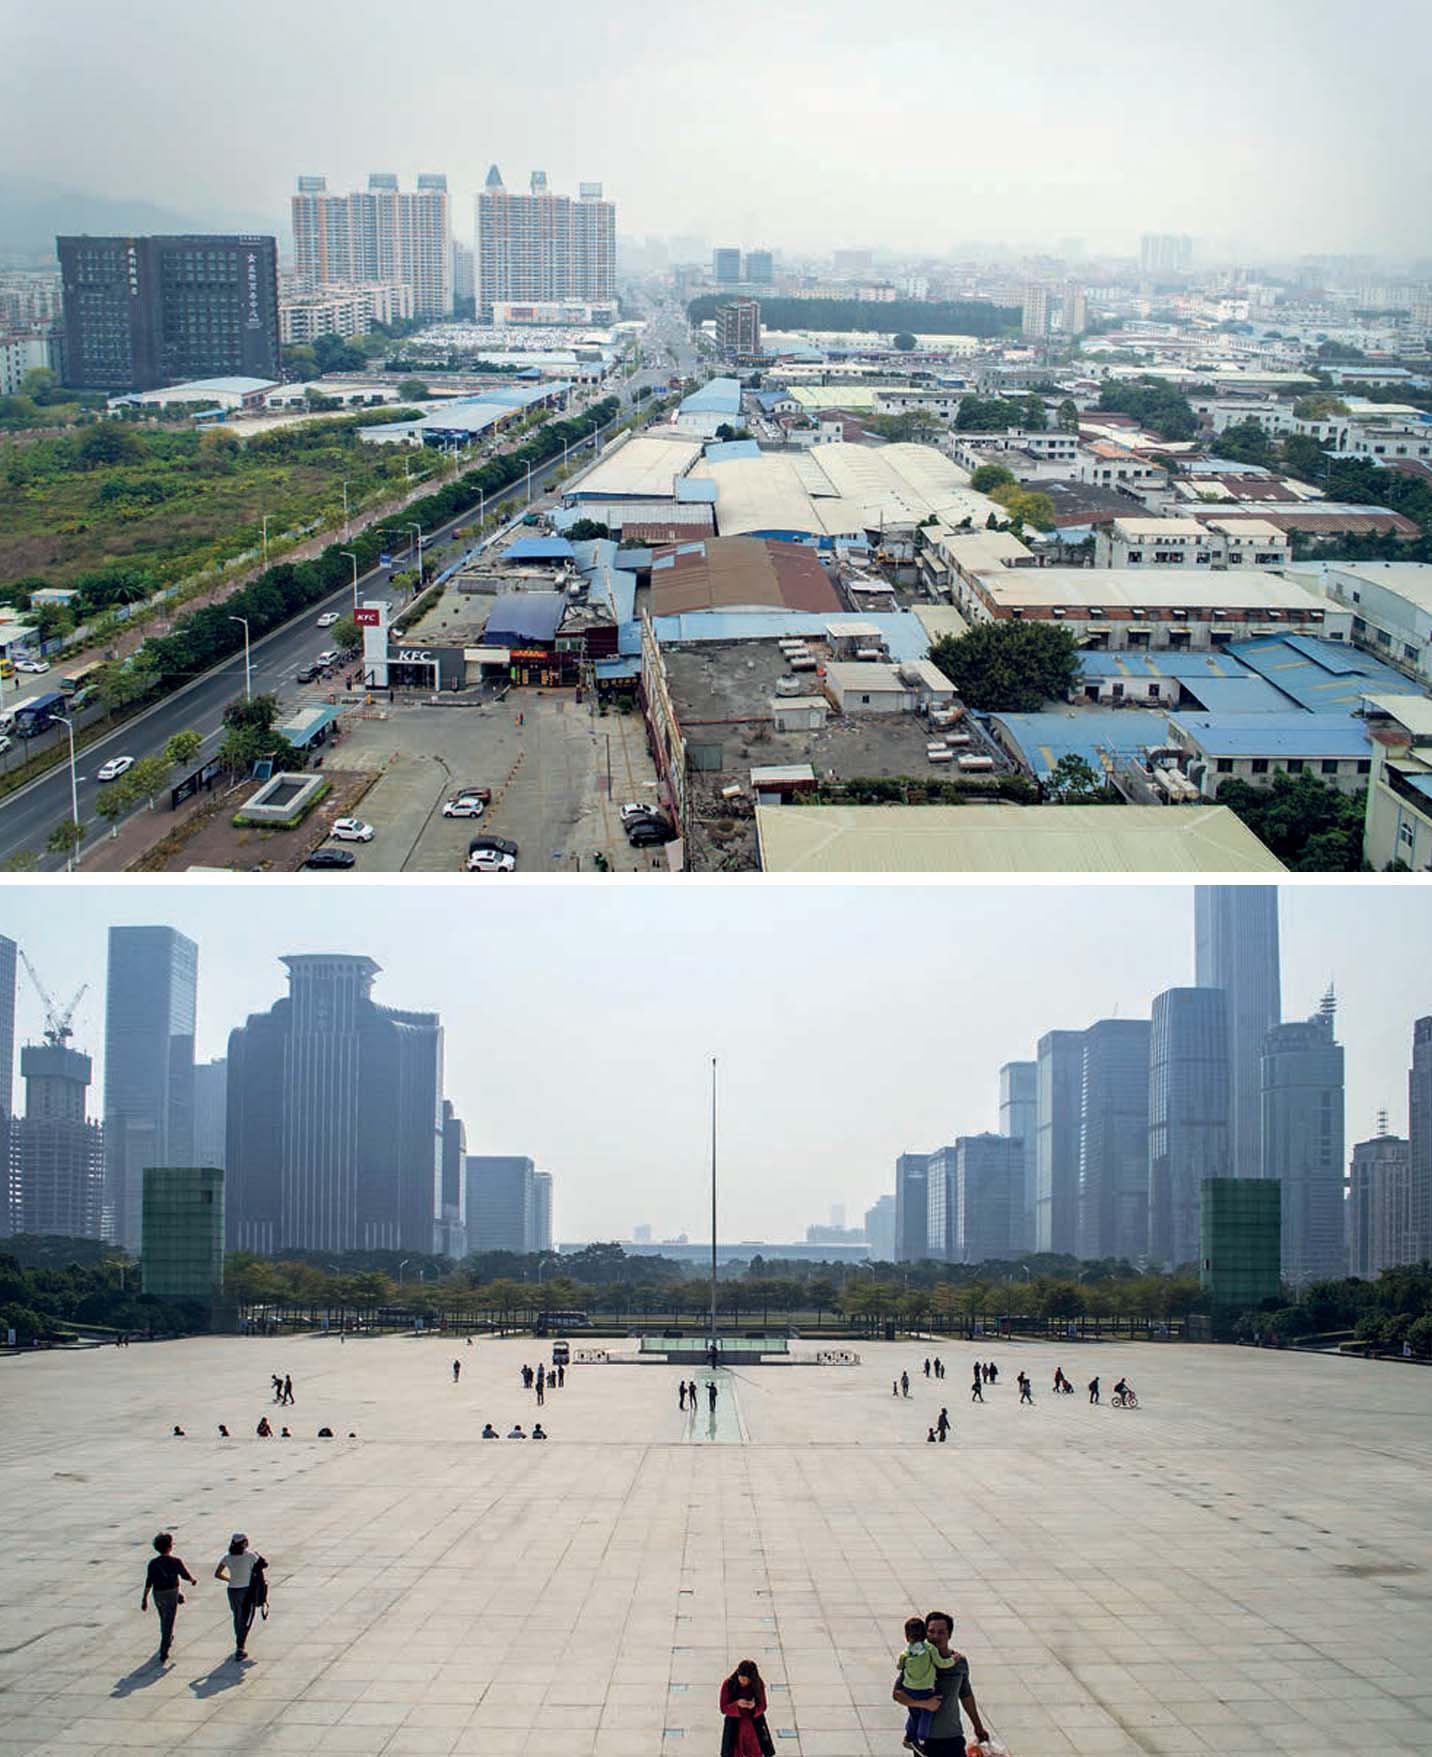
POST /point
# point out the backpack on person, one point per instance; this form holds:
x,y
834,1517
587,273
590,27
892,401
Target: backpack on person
x,y
258,1589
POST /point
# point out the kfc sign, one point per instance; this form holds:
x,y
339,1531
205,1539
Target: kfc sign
x,y
370,616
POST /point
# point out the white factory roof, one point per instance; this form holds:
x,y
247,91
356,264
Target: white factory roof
x,y
1139,588
1008,838
645,468
1411,580
1138,529
838,490
866,674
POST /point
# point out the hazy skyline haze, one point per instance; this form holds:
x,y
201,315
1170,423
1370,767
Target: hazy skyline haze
x,y
1271,123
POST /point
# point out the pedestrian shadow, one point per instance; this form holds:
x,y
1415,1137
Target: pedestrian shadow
x,y
226,1676
141,1677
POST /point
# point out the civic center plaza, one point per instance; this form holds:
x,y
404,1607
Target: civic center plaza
x,y
1241,1565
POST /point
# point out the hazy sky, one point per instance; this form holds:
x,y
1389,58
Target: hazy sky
x,y
1285,124
852,1022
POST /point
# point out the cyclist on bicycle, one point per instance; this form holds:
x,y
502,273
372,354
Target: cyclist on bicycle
x,y
1123,1389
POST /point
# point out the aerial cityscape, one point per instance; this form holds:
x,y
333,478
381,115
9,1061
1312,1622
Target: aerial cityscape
x,y
903,1223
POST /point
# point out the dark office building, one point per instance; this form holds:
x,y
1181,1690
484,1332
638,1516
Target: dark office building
x,y
1240,1226
726,267
145,312
912,1216
57,1167
760,268
501,1203
989,1197
1188,1116
8,953
1236,950
1060,1098
334,1118
1019,1121
1114,1140
450,1237
1303,1143
1419,1137
150,996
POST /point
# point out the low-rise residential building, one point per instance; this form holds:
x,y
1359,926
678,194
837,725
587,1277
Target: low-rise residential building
x,y
1191,542
343,310
20,353
1399,796
1106,464
1256,747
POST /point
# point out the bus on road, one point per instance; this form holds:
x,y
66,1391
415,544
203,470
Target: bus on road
x,y
84,678
35,715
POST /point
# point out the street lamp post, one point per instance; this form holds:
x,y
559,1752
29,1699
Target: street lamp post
x,y
354,559
74,792
248,675
345,512
403,1265
713,1208
266,520
419,530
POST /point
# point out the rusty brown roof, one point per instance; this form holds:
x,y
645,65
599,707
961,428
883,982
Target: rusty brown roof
x,y
724,572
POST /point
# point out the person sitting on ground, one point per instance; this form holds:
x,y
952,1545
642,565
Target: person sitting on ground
x,y
931,1436
263,1430
179,1433
517,1433
223,1432
489,1432
538,1432
919,1667
284,1434
325,1433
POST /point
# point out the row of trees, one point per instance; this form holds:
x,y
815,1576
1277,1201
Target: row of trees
x,y
1153,404
1386,1313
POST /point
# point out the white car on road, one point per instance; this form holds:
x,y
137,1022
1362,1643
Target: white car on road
x,y
351,829
489,860
114,768
464,806
329,656
38,666
328,618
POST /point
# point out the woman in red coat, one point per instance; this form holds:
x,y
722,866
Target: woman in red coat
x,y
743,1704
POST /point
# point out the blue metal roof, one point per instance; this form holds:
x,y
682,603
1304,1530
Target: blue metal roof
x,y
1238,695
725,451
518,617
615,589
1325,677
703,490
594,552
902,633
617,668
539,549
1041,739
637,558
305,725
720,396
1275,735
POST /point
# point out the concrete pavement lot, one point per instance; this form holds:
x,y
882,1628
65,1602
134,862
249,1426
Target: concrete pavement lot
x,y
1238,1567
547,775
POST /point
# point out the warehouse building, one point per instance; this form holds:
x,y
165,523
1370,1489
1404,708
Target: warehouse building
x,y
1256,748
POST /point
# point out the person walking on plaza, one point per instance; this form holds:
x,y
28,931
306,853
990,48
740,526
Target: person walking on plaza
x,y
456,1371
942,1426
927,1366
946,1736
976,1389
993,1373
939,1368
894,1387
541,1388
561,1375
238,1567
919,1679
691,1393
681,1392
904,1384
743,1706
287,1388
711,1395
1024,1388
276,1379
1094,1390
162,1579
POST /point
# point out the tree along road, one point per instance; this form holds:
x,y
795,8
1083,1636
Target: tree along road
x,y
28,816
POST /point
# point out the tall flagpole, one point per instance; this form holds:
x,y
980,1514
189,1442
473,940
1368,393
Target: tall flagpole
x,y
713,1205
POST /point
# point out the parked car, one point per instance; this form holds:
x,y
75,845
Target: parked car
x,y
465,805
489,860
482,793
327,620
632,814
38,666
310,674
496,844
649,832
114,768
329,656
322,858
351,829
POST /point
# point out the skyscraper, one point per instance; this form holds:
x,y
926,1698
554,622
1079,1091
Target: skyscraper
x,y
1060,1099
941,1207
1034,316
150,996
760,269
1419,1135
334,1130
1380,1234
146,312
57,1164
211,1101
541,1211
501,1201
726,267
1019,1121
1163,253
1113,1218
1188,1116
8,958
738,329
880,1230
1236,949
989,1195
451,1232
383,233
1303,1144
911,1207
542,246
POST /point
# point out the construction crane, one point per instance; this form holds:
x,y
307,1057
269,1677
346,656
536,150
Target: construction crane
x,y
57,1019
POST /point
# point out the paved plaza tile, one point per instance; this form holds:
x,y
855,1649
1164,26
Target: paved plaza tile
x,y
1239,1566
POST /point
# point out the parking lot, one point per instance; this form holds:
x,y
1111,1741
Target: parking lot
x,y
546,759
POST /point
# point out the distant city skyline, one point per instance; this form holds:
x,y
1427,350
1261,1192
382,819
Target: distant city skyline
x,y
659,983
718,142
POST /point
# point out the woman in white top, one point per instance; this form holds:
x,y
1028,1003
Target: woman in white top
x,y
237,1567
